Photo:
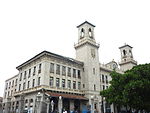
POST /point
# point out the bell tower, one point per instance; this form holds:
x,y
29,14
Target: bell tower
x,y
86,31
87,52
86,39
127,60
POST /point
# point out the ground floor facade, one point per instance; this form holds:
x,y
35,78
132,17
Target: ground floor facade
x,y
55,102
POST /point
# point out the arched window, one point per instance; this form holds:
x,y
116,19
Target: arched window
x,y
31,100
26,101
82,33
130,52
90,33
124,52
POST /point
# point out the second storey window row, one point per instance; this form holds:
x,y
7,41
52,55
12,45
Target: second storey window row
x,y
31,71
104,78
64,83
64,70
29,84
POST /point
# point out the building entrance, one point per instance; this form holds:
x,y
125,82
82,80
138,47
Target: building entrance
x,y
66,105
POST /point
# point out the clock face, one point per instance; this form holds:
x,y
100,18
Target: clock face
x,y
93,53
114,66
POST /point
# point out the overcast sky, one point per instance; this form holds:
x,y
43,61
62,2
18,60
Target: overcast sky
x,y
28,27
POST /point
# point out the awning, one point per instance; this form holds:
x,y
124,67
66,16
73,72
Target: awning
x,y
64,95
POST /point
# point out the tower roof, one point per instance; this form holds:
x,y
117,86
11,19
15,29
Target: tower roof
x,y
125,46
85,23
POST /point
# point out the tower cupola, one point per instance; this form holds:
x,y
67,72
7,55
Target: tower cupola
x,y
86,34
127,60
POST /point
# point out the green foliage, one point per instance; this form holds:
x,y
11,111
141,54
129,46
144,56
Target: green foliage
x,y
131,88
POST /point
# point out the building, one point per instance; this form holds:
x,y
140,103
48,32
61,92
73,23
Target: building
x,y
1,108
50,82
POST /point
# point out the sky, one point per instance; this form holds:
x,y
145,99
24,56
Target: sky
x,y
28,27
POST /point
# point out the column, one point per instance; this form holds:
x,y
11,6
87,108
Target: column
x,y
71,105
104,106
38,102
60,104
92,104
112,108
48,103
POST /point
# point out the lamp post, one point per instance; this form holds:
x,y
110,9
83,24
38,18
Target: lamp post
x,y
92,104
39,96
60,104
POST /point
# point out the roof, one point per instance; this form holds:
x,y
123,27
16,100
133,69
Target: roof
x,y
64,95
11,78
84,23
125,46
50,54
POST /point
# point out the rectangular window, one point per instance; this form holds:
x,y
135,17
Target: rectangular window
x,y
9,84
39,71
103,87
58,69
16,82
94,71
39,80
106,79
63,83
20,76
83,85
13,83
69,84
69,72
51,81
25,75
33,83
28,84
79,85
24,85
34,70
52,68
94,87
11,93
6,85
57,82
79,74
103,78
74,84
8,93
29,73
19,87
74,73
63,70
5,94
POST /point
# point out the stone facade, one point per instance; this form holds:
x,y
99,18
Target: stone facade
x,y
49,82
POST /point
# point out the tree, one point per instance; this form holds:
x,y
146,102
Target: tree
x,y
131,89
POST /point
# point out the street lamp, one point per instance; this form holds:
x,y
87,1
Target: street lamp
x,y
39,96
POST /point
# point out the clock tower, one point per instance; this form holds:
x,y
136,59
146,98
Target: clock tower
x,y
87,52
